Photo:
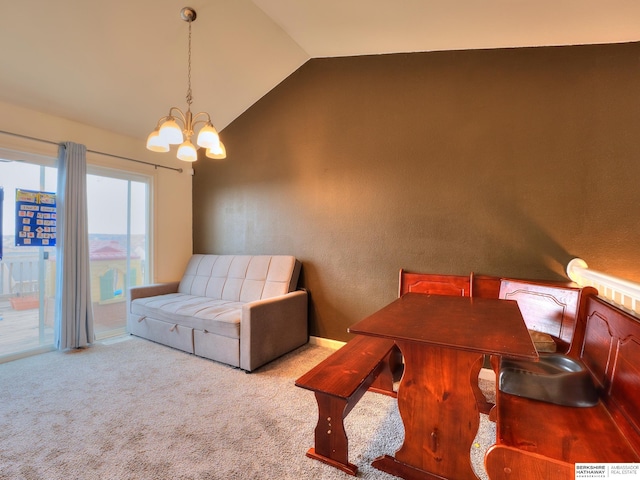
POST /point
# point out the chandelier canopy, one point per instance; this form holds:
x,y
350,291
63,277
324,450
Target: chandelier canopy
x,y
177,127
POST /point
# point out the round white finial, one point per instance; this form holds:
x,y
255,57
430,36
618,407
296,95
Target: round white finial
x,y
576,263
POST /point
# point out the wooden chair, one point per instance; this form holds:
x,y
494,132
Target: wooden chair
x,y
550,310
434,284
484,286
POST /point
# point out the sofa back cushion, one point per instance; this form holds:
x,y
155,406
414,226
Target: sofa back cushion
x,y
240,278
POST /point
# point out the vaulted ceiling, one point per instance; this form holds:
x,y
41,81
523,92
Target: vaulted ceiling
x,y
120,64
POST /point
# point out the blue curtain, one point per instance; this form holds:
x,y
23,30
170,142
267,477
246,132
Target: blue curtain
x,y
73,324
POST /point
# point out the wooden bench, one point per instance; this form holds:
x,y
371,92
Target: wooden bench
x,y
538,440
339,382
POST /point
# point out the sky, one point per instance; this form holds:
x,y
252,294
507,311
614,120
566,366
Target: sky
x,y
106,197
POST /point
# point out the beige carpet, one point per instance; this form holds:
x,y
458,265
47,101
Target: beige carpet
x,y
133,409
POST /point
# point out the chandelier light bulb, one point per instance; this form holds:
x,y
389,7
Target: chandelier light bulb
x,y
170,132
208,137
155,143
187,152
217,153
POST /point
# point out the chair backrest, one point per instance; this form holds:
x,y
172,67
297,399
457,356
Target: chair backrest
x,y
484,286
435,284
547,307
455,285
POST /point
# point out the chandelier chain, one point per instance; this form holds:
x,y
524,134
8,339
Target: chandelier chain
x,y
189,97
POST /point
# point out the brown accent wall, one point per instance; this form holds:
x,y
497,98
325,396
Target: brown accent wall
x,y
505,162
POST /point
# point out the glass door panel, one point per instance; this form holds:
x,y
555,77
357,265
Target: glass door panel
x,y
118,245
27,273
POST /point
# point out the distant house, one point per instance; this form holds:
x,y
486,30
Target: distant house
x,y
108,270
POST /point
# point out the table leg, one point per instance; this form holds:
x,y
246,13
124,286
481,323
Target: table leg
x,y
439,412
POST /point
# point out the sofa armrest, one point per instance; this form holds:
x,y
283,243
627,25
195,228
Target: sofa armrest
x,y
272,327
143,291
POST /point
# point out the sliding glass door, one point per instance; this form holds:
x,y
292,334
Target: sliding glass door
x,y
118,244
119,225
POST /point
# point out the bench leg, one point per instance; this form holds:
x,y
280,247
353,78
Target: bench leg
x,y
331,443
387,369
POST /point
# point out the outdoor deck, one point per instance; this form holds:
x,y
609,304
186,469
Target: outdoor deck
x,y
21,285
19,329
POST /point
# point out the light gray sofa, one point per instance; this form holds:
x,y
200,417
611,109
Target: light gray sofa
x,y
242,310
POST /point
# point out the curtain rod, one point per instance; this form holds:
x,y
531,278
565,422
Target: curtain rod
x,y
179,170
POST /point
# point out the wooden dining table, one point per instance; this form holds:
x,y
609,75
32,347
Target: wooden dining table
x,y
443,340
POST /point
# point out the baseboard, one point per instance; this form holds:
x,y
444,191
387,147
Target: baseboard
x,y
326,342
26,353
115,339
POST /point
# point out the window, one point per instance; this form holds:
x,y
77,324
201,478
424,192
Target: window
x,y
119,226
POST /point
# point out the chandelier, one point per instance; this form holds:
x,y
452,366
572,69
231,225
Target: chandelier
x,y
177,128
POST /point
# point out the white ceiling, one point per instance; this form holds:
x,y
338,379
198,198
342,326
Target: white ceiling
x,y
120,64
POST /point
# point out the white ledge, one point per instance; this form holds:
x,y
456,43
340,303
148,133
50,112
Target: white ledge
x,y
624,293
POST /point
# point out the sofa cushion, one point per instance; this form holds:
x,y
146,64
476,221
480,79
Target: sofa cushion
x,y
240,278
202,313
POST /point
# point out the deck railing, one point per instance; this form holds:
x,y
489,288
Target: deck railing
x,y
619,291
19,275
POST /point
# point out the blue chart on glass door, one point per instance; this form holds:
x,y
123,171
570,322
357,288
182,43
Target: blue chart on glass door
x,y
35,218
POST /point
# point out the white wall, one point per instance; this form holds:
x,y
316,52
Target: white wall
x,y
171,217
